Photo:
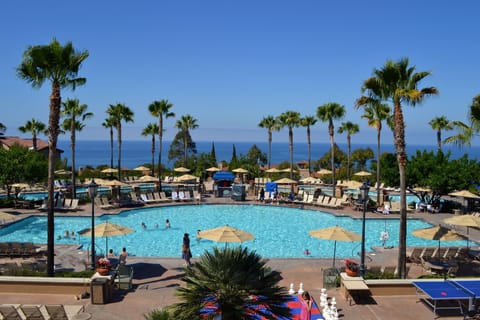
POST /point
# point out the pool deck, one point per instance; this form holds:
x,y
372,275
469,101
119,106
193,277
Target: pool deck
x,y
156,279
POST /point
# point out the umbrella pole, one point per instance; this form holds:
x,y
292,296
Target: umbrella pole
x,y
334,252
106,247
468,238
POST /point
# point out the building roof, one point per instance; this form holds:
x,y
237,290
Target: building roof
x,y
26,143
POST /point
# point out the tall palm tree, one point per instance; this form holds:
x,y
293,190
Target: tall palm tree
x,y
35,128
467,132
151,129
58,65
161,110
375,112
327,113
350,128
74,113
185,124
398,82
289,119
237,281
307,122
109,123
270,123
120,112
439,124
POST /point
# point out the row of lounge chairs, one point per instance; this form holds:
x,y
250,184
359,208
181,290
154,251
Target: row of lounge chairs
x,y
18,249
420,255
60,205
40,312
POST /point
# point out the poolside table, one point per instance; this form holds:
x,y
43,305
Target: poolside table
x,y
353,288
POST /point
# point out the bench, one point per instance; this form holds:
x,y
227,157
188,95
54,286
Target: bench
x,y
353,288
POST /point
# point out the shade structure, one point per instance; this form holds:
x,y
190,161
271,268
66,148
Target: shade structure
x,y
352,184
466,220
464,194
181,169
224,175
106,230
439,233
62,172
286,181
288,170
240,170
20,185
5,216
112,183
309,180
147,178
213,169
272,170
335,233
226,234
324,171
141,168
422,189
362,174
187,177
109,170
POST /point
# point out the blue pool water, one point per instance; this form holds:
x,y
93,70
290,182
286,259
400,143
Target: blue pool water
x,y
279,232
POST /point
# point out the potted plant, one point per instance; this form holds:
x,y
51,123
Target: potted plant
x,y
103,266
351,268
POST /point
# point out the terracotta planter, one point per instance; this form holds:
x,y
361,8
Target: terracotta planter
x,y
103,271
351,273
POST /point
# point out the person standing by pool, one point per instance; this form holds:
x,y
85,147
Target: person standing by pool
x,y
186,253
306,309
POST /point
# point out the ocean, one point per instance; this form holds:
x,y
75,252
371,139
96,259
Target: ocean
x,y
135,153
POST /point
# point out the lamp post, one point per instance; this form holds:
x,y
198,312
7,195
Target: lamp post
x,y
364,191
92,191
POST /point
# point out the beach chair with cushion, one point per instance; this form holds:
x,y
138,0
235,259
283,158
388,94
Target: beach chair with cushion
x,y
164,197
56,311
9,312
175,196
414,256
124,277
32,312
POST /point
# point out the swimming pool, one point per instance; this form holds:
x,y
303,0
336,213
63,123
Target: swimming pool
x,y
279,232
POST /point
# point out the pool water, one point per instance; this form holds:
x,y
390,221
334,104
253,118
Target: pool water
x,y
279,232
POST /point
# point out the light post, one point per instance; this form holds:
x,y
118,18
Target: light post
x,y
92,191
364,191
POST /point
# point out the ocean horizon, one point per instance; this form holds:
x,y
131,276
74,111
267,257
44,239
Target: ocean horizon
x,y
138,152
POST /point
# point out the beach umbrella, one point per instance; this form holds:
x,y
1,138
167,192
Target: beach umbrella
x,y
106,230
439,233
324,171
181,169
466,220
6,216
111,183
272,170
212,169
335,233
286,181
288,170
62,172
226,234
240,170
187,177
141,168
309,180
147,178
20,185
465,194
109,170
352,184
362,174
422,189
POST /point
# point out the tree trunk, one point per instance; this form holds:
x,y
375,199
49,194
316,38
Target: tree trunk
x,y
309,149
290,139
153,155
72,146
348,156
111,147
378,163
160,148
439,140
402,162
332,155
34,141
119,148
53,131
269,147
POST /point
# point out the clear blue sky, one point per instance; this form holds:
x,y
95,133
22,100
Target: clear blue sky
x,y
231,63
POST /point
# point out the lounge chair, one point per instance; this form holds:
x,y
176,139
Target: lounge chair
x,y
56,311
32,312
124,277
415,255
164,196
175,196
197,196
389,269
9,312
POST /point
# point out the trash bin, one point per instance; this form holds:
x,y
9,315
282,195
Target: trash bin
x,y
238,192
330,278
99,292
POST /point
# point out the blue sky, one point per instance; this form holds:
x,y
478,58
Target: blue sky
x,y
231,63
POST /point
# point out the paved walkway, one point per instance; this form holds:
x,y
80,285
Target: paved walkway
x,y
156,280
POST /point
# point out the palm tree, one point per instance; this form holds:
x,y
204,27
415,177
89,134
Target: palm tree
x,y
307,122
465,132
375,113
350,128
59,65
119,112
290,119
439,124
237,281
35,128
398,82
327,113
161,110
3,128
185,124
75,114
109,123
269,123
151,129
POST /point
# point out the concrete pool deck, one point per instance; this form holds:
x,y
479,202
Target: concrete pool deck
x,y
156,279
